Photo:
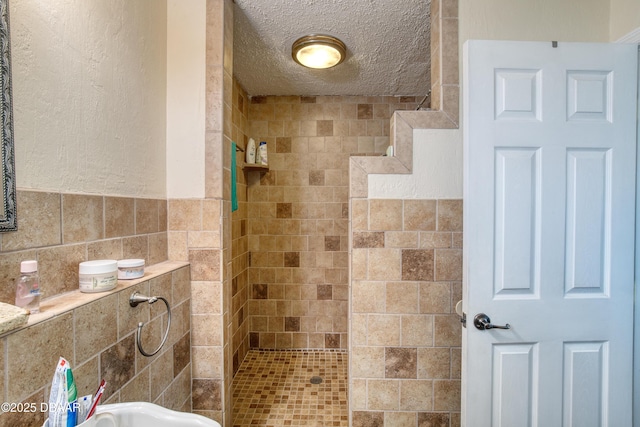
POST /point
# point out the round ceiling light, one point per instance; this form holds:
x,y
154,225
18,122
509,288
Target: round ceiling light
x,y
318,51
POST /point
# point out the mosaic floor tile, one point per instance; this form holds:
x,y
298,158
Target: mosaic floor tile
x,y
275,388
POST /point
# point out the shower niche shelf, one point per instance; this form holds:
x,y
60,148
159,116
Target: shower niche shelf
x,y
254,167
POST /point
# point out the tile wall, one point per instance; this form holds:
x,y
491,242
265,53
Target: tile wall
x,y
297,213
96,333
61,230
240,235
200,229
406,338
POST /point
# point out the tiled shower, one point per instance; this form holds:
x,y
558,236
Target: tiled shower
x,y
295,292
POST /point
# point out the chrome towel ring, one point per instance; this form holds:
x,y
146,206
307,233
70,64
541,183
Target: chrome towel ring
x,y
135,299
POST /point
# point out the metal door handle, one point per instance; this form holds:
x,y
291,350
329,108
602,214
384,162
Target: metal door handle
x,y
482,322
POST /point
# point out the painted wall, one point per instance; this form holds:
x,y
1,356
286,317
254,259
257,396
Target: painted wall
x,y
89,91
568,20
625,19
437,160
186,26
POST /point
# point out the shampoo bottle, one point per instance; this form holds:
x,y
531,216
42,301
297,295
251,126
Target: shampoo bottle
x,y
263,152
250,155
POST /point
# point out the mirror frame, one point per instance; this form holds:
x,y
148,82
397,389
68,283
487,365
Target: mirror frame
x,y
8,214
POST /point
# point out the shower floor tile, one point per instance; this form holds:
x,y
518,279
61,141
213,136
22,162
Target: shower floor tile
x,y
274,388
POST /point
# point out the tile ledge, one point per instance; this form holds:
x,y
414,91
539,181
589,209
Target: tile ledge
x,y
64,303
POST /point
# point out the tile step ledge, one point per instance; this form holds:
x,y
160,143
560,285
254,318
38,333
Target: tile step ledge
x,y
64,303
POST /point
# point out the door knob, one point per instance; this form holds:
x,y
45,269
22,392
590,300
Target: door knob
x,y
482,322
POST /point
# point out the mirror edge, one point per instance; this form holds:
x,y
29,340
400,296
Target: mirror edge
x,y
8,216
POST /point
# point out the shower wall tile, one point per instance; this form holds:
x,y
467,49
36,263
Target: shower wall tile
x,y
98,340
406,316
298,215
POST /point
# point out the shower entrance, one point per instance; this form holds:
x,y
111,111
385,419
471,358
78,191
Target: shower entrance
x,y
291,388
550,189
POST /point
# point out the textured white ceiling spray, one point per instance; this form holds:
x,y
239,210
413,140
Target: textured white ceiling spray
x,y
387,46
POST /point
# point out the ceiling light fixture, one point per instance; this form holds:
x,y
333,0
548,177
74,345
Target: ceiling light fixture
x,y
318,51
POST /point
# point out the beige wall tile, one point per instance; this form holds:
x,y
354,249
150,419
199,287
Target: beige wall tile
x,y
450,215
148,216
136,390
158,248
419,215
136,247
383,395
416,395
402,297
448,263
206,330
417,330
434,363
358,329
97,326
385,215
400,419
119,216
369,297
39,219
206,297
383,330
58,268
177,247
161,374
401,239
385,264
446,395
105,249
367,362
207,362
205,265
184,215
84,375
82,218
447,331
39,347
435,297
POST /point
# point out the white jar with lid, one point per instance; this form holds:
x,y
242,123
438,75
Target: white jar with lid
x,y
99,275
130,269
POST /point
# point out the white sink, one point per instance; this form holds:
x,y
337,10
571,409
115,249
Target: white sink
x,y
143,414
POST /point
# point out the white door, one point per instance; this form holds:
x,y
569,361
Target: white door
x,y
549,205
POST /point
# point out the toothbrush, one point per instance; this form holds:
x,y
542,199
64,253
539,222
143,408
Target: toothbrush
x,y
96,399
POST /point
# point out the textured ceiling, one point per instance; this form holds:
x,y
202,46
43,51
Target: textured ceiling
x,y
387,46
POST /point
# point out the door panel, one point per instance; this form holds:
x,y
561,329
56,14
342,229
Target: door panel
x,y
549,221
584,392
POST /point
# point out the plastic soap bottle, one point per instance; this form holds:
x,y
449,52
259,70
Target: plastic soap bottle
x,y
262,151
28,289
250,155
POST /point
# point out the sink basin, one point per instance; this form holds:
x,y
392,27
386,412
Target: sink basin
x,y
143,414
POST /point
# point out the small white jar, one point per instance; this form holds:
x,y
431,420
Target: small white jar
x,y
99,275
130,269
